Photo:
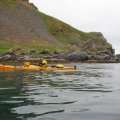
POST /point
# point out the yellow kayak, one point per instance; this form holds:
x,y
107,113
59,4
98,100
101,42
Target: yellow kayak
x,y
35,67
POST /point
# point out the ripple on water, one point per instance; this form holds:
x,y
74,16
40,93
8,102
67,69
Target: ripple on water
x,y
38,109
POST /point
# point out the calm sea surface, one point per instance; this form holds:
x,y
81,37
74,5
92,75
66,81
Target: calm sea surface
x,y
92,92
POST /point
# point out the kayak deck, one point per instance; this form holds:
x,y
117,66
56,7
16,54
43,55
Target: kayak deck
x,y
35,67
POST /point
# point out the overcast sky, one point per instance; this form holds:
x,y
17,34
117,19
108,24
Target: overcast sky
x,y
87,15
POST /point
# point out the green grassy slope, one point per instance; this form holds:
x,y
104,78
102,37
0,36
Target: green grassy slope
x,y
91,42
24,26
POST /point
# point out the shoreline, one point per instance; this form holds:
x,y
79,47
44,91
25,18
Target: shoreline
x,y
50,61
61,57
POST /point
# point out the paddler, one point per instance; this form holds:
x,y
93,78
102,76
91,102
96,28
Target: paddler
x,y
42,62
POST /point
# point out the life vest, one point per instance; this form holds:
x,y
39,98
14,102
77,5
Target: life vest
x,y
26,64
44,62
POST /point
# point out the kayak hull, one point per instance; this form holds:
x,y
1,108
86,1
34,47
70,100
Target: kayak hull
x,y
34,67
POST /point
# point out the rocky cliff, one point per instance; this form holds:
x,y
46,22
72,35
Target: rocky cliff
x,y
22,25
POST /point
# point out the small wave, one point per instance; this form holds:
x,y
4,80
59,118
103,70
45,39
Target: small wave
x,y
7,88
13,102
82,110
88,90
69,102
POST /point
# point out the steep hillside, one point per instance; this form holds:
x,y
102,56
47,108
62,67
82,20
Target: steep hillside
x,y
22,25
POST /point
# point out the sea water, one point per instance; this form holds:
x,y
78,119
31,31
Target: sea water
x,y
92,92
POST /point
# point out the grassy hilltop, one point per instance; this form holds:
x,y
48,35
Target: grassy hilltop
x,y
22,25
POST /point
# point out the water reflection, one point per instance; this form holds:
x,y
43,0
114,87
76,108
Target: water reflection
x,y
40,94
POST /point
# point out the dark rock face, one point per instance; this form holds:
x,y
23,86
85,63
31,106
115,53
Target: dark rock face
x,y
32,52
97,45
84,57
74,56
101,58
111,51
118,57
7,57
33,6
77,56
45,51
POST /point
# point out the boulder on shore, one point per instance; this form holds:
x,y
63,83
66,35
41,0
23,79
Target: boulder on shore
x,y
77,56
